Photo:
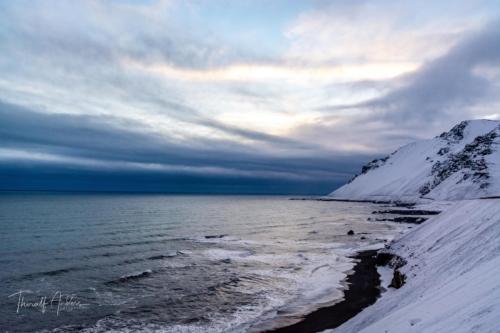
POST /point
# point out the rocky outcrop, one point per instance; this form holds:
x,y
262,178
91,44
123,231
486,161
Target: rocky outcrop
x,y
371,166
398,280
456,134
470,162
463,163
395,262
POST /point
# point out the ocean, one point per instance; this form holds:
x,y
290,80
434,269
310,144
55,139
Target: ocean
x,y
81,262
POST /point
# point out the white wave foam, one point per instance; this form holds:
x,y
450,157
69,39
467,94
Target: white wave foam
x,y
223,254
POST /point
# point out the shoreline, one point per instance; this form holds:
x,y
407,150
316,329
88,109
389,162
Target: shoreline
x,y
323,198
363,290
396,203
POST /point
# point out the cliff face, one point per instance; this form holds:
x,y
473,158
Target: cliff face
x,y
463,163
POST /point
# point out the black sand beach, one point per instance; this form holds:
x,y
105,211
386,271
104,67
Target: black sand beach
x,y
364,289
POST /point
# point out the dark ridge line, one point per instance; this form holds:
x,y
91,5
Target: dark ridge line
x,y
363,291
407,212
396,203
342,200
402,219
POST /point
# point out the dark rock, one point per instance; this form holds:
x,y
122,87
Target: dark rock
x,y
470,161
406,212
404,219
456,133
443,151
350,232
397,262
409,219
389,259
398,279
383,258
403,204
370,166
214,236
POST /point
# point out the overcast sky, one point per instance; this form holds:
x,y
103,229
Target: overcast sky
x,y
233,96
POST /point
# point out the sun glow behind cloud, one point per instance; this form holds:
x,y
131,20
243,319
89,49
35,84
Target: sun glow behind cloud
x,y
289,115
266,73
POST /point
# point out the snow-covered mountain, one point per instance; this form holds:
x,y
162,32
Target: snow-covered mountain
x,y
463,163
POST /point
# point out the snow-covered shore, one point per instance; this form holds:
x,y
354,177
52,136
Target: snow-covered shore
x,y
452,268
452,276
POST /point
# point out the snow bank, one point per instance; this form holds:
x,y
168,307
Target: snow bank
x,y
453,276
463,163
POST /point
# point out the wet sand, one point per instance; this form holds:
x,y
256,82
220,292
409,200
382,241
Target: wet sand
x,y
364,289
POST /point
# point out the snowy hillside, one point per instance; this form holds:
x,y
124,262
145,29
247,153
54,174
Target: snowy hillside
x,y
452,276
463,163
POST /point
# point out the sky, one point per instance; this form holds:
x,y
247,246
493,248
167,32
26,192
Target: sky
x,y
276,97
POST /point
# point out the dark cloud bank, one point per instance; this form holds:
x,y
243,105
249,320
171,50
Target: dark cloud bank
x,y
117,158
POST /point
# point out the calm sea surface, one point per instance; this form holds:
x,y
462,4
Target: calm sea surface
x,y
164,263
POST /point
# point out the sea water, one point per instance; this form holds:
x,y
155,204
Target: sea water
x,y
165,263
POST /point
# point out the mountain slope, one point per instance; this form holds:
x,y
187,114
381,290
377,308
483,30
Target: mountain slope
x,y
463,163
452,268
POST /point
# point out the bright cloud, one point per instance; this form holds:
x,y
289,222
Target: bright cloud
x,y
266,73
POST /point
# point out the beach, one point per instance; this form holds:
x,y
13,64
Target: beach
x,y
362,290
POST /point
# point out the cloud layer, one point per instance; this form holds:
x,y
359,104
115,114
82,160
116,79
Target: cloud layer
x,y
197,96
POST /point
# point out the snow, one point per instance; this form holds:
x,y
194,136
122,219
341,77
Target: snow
x,y
453,259
453,276
408,170
385,273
